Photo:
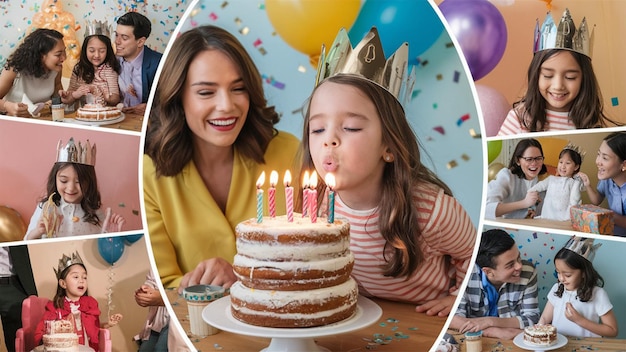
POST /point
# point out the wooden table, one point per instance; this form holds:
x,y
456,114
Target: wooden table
x,y
131,122
400,327
574,344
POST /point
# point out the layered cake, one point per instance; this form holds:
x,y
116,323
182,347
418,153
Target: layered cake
x,y
293,274
540,335
592,219
60,337
97,112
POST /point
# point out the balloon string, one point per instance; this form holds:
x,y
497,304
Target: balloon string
x,y
548,4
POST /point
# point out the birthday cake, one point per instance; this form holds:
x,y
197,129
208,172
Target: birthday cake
x,y
97,112
592,219
293,274
540,335
60,337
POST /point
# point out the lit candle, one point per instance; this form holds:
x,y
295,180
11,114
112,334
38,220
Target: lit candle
x,y
305,194
330,182
288,195
313,197
271,193
259,198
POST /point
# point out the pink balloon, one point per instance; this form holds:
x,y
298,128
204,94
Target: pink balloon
x,y
495,107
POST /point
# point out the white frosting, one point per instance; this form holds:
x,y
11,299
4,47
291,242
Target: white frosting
x,y
303,226
276,251
282,298
332,264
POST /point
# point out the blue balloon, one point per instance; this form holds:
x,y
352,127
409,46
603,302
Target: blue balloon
x,y
399,21
481,31
111,249
132,238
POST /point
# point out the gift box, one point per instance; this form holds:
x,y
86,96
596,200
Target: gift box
x,y
592,219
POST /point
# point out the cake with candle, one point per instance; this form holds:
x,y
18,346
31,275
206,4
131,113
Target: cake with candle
x,y
97,112
60,337
540,335
293,273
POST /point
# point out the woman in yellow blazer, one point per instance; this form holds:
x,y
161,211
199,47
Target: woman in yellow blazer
x,y
210,135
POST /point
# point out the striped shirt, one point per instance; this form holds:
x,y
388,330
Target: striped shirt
x,y
447,241
105,79
556,121
515,299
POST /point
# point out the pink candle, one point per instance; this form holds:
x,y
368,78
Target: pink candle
x,y
259,198
313,197
305,194
288,195
271,193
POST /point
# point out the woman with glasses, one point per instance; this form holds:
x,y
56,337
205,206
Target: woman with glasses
x,y
507,194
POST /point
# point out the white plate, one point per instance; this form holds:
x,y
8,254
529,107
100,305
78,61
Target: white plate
x,y
519,342
96,122
218,314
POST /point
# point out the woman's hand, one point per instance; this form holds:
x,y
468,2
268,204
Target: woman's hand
x,y
532,198
214,271
147,296
16,109
584,178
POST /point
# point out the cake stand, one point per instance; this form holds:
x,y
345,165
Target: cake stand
x,y
95,122
519,342
218,315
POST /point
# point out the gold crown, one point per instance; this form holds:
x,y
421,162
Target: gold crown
x,y
367,60
563,36
583,247
72,153
65,262
97,27
576,149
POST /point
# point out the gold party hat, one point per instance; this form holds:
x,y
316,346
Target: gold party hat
x,y
563,36
65,262
583,247
368,61
577,149
72,153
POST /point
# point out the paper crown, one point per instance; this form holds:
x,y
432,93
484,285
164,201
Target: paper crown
x,y
583,247
72,153
576,149
97,27
367,60
65,262
563,36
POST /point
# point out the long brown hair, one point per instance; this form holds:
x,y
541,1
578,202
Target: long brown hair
x,y
398,218
587,109
169,139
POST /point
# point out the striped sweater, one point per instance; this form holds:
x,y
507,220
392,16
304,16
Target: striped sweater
x,y
556,121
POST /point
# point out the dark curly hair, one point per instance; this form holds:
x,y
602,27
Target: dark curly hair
x,y
26,59
84,68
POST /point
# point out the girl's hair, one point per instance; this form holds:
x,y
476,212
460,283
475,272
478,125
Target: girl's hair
x,y
617,142
520,148
91,201
84,69
59,297
168,138
398,219
26,59
574,155
589,276
587,110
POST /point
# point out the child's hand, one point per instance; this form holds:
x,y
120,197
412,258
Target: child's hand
x,y
112,222
532,199
439,307
571,313
113,320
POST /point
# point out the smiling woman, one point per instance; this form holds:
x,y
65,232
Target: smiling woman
x,y
210,132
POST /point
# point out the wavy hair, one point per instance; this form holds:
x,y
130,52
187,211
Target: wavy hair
x,y
27,58
168,138
590,278
398,219
520,148
91,201
587,110
84,68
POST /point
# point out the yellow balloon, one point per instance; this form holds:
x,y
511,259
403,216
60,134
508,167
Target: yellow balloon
x,y
307,24
493,170
12,226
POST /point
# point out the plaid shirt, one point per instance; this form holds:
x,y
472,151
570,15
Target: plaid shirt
x,y
515,299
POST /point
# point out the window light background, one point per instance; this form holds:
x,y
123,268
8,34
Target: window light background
x,y
442,111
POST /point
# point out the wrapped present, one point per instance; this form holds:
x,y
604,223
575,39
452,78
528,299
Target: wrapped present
x,y
592,219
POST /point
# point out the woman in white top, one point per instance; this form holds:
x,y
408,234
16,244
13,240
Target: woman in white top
x,y
507,194
31,75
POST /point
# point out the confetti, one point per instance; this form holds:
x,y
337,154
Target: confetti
x,y
452,164
439,77
614,101
465,157
257,43
457,74
474,134
213,16
440,129
462,119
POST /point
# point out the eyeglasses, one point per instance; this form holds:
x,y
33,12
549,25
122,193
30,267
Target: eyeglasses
x,y
530,160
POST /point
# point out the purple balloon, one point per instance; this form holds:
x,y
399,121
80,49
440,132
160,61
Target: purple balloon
x,y
480,30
